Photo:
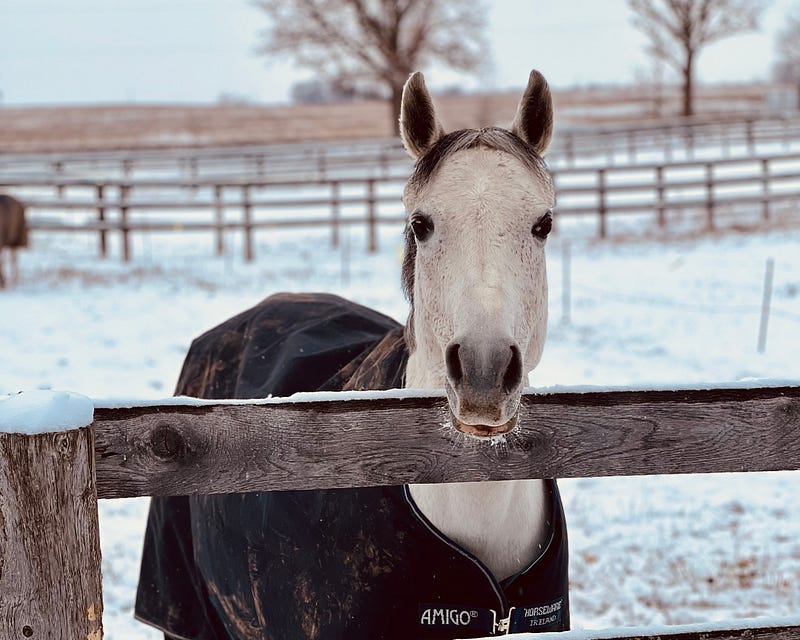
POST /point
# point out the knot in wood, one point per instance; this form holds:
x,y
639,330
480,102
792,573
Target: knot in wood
x,y
168,443
536,440
27,631
790,408
63,446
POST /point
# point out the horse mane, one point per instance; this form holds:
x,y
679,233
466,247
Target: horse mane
x,y
490,138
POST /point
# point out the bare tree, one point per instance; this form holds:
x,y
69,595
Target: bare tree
x,y
364,44
679,29
787,49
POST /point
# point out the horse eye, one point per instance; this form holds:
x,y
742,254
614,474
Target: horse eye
x,y
422,226
543,226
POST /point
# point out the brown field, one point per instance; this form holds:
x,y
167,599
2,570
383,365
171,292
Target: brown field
x,y
76,128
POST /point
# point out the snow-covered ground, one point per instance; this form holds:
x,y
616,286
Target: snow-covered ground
x,y
643,310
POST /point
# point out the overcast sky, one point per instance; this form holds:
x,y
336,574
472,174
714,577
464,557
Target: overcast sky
x,y
85,51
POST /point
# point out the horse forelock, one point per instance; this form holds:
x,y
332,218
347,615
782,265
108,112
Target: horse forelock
x,y
425,168
488,137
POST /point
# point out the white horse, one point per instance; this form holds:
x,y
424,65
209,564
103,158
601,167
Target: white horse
x,y
479,211
424,561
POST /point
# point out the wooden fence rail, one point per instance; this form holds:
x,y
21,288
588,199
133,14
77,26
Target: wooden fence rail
x,y
706,186
224,447
374,438
330,160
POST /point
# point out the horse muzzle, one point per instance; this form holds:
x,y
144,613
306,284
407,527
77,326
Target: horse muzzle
x,y
484,385
482,430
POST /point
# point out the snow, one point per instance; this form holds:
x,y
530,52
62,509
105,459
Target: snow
x,y
663,630
405,394
745,383
645,310
306,396
36,412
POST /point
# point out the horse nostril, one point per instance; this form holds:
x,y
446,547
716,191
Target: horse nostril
x,y
453,363
513,375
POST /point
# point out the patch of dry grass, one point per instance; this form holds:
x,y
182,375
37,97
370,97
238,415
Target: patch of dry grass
x,y
77,128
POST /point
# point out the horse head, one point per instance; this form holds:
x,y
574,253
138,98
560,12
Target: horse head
x,y
478,207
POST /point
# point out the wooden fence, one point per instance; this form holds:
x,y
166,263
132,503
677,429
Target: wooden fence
x,y
48,492
686,137
607,146
124,207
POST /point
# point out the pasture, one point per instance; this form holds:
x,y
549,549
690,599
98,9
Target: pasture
x,y
67,128
644,311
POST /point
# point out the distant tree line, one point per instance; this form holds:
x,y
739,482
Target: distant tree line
x,y
678,30
360,49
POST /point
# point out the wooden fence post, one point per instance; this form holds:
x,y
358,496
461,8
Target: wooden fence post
x,y
335,214
566,282
725,140
570,150
601,204
631,146
50,582
668,149
248,224
220,219
689,141
371,218
786,137
59,170
124,190
384,163
660,204
766,299
765,188
101,218
709,196
193,171
321,162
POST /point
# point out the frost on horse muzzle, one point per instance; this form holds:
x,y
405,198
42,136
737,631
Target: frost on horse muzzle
x,y
484,383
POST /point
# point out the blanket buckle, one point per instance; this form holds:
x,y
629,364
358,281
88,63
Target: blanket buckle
x,y
503,626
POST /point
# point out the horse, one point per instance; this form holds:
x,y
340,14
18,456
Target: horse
x,y
13,233
418,561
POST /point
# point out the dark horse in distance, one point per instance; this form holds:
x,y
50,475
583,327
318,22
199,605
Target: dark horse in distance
x,y
13,234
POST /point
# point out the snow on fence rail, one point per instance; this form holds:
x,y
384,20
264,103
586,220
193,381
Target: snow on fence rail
x,y
50,481
223,205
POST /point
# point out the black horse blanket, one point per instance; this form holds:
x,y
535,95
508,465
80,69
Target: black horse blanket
x,y
338,564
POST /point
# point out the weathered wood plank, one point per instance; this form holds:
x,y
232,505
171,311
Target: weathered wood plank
x,y
759,633
312,445
50,585
681,632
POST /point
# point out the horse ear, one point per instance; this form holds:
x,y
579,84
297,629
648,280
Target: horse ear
x,y
534,120
419,128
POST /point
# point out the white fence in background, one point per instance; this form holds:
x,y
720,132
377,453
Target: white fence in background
x,y
710,188
676,140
